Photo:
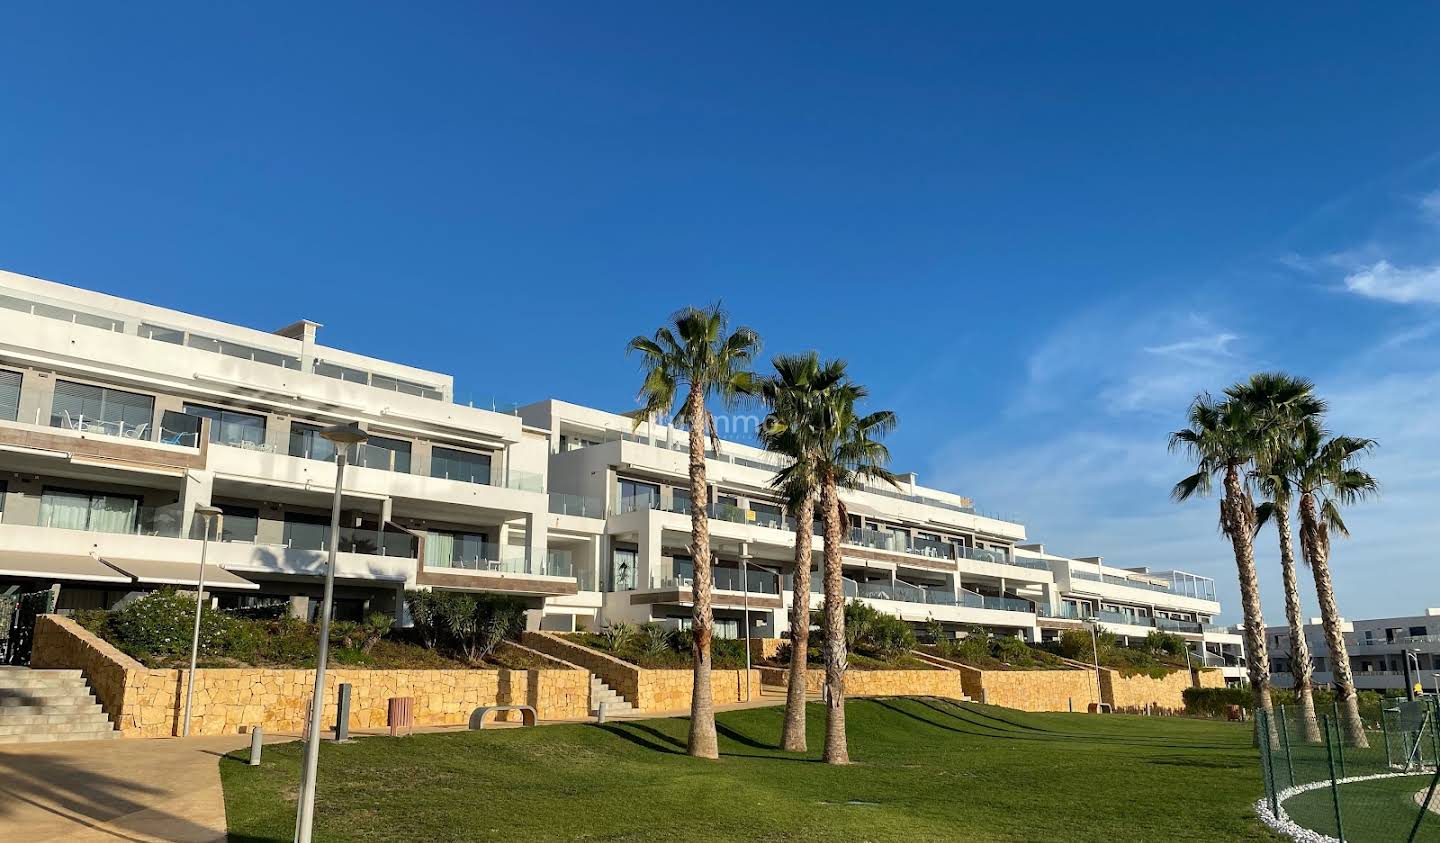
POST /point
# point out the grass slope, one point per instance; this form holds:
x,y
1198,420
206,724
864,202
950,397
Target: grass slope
x,y
928,770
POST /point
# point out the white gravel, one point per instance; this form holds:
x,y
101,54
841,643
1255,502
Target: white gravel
x,y
1288,827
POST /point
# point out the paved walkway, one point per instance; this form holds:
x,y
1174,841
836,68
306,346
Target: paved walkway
x,y
162,789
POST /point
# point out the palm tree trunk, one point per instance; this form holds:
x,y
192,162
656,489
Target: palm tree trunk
x,y
837,750
703,742
792,737
1300,666
1316,546
1237,519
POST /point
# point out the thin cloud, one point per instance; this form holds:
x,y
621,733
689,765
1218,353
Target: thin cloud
x,y
1399,284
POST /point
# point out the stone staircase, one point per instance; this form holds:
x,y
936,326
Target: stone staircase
x,y
49,705
602,693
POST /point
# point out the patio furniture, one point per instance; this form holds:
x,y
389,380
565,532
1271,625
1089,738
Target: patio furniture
x,y
136,432
477,717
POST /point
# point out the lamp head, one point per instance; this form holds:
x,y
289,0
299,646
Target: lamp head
x,y
349,433
209,513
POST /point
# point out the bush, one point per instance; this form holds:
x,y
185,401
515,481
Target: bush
x,y
871,632
163,622
1213,702
1165,643
469,626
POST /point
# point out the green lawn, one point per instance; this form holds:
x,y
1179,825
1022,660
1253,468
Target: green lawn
x,y
1378,811
926,770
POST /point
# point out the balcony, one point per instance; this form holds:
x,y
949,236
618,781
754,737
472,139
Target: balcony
x,y
724,579
581,505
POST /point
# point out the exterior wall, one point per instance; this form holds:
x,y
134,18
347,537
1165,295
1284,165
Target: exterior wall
x,y
881,683
648,690
147,703
1026,690
1137,693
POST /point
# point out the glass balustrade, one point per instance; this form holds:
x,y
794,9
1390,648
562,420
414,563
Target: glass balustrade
x,y
583,505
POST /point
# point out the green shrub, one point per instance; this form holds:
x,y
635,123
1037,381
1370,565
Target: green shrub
x,y
871,632
1213,702
163,622
1165,643
469,626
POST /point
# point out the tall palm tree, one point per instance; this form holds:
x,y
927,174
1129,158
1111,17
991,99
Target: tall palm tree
x,y
1284,406
1222,439
850,453
795,394
700,359
1326,478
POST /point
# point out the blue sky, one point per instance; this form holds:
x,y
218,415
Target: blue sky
x,y
1035,232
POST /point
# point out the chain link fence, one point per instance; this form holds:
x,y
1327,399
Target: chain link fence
x,y
1318,786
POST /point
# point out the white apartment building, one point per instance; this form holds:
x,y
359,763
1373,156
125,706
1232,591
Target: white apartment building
x,y
1377,650
118,419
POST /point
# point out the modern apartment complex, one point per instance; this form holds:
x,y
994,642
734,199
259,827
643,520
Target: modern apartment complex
x,y
1377,650
119,419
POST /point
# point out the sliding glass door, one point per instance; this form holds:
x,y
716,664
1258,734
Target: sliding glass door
x,y
98,513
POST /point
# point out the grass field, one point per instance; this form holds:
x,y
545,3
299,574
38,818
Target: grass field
x,y
926,770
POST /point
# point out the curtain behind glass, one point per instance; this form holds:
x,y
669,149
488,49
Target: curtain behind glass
x,y
113,514
439,549
65,510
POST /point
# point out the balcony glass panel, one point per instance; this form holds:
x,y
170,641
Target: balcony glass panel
x,y
588,507
464,466
227,427
98,409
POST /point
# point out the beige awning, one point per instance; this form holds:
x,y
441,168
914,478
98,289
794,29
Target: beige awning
x,y
177,573
58,566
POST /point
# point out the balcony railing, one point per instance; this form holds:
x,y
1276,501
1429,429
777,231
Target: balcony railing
x,y
723,579
1173,625
561,563
583,505
485,557
1110,579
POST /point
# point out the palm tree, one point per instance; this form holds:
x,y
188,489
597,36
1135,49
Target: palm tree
x,y
794,395
849,453
706,361
1326,478
1222,439
1284,407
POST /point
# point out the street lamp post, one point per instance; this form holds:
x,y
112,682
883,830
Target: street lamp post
x,y
1095,650
208,514
343,436
745,599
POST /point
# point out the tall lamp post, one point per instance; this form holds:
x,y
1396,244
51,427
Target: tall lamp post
x,y
208,514
745,598
343,436
1094,622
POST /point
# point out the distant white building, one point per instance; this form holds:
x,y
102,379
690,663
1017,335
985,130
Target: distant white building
x,y
1376,648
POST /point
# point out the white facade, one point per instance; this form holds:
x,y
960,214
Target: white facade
x,y
118,419
1377,650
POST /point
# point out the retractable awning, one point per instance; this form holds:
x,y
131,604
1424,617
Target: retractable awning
x,y
177,573
58,566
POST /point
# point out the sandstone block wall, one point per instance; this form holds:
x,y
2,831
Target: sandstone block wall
x,y
648,690
1137,693
1026,690
880,683
145,702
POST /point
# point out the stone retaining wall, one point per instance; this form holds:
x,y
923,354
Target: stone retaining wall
x,y
1142,693
880,683
1026,690
146,702
647,690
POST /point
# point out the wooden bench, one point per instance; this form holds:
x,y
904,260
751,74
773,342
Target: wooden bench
x,y
477,717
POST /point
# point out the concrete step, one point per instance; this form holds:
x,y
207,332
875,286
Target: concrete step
x,y
614,708
96,715
53,707
45,737
23,682
42,692
80,723
14,670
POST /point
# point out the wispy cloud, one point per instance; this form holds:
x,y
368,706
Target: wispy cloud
x,y
1430,207
1402,285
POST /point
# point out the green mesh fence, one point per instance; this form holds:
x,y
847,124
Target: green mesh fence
x,y
1348,790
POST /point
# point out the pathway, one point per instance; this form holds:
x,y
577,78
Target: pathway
x,y
162,789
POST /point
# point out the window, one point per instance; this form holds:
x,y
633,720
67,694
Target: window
x,y
9,395
342,373
681,500
155,332
229,427
99,513
62,314
622,569
383,453
306,532
1417,631
460,465
635,495
307,443
407,387
241,523
81,406
447,548
767,514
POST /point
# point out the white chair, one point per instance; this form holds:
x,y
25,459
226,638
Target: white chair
x,y
137,432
